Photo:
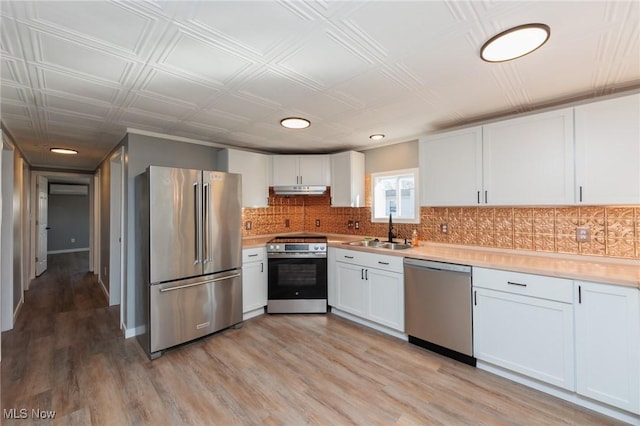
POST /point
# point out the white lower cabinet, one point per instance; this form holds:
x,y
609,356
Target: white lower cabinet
x,y
254,280
608,344
352,289
524,323
370,286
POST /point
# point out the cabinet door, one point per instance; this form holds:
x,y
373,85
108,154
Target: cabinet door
x,y
608,344
254,170
351,289
451,168
527,335
347,179
313,169
254,286
285,170
386,298
529,160
608,151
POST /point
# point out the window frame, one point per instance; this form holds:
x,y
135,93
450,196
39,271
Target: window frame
x,y
416,179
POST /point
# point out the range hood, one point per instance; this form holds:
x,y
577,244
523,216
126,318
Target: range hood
x,y
300,190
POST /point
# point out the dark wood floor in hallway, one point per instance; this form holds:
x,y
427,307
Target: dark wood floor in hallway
x,y
67,354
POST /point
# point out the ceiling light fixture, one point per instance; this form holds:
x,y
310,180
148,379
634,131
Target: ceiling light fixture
x,y
515,42
377,137
295,123
65,151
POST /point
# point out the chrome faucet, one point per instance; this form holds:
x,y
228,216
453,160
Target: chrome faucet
x,y
391,234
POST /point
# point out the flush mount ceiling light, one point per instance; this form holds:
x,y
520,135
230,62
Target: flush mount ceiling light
x,y
377,137
515,42
295,123
65,151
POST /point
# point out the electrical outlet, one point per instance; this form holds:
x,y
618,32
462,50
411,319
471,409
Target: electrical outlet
x,y
247,225
350,224
357,224
73,240
286,223
317,223
583,234
444,228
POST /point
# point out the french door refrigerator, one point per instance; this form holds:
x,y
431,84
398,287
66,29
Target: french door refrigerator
x,y
189,237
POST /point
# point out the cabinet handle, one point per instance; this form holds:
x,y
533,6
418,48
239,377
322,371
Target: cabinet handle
x,y
485,196
383,263
366,274
362,274
475,298
581,193
579,294
348,257
518,284
253,255
478,197
261,266
228,277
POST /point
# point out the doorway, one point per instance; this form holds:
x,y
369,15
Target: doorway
x,y
116,237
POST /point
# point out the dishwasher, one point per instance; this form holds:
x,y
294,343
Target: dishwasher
x,y
438,308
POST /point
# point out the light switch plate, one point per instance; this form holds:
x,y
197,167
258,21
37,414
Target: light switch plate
x,y
583,234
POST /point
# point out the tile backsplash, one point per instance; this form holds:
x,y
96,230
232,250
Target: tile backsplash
x,y
615,231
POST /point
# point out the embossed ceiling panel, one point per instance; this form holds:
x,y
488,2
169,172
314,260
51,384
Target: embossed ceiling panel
x,y
80,73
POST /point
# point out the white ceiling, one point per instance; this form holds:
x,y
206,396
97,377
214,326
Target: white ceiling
x,y
78,74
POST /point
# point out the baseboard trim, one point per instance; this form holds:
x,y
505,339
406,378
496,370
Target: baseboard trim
x,y
16,311
68,250
103,288
370,324
252,314
133,332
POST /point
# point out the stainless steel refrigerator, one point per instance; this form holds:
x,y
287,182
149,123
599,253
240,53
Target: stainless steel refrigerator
x,y
189,238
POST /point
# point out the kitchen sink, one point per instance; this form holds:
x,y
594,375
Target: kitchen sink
x,y
395,246
379,244
365,243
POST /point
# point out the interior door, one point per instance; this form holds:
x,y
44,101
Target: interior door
x,y
43,214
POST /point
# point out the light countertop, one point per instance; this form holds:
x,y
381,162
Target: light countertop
x,y
587,268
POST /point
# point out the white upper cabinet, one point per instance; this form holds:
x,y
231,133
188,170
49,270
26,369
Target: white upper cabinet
x,y
451,168
347,179
529,160
254,168
300,170
608,151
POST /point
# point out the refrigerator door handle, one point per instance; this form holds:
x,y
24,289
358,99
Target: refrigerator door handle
x,y
197,222
206,191
180,287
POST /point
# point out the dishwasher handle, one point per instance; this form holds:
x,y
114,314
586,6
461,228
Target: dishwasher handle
x,y
438,266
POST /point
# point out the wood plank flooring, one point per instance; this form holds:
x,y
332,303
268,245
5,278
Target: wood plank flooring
x,y
67,354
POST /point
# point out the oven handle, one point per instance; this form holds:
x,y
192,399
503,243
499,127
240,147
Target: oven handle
x,y
296,256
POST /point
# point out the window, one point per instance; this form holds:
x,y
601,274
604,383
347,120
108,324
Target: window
x,y
395,194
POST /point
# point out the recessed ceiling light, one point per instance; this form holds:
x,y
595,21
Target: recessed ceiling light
x,y
515,42
295,123
376,137
65,151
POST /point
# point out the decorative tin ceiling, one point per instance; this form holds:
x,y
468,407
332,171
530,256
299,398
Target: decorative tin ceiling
x,y
78,74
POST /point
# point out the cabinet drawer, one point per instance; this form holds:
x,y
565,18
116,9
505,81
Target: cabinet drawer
x,y
253,254
543,287
370,260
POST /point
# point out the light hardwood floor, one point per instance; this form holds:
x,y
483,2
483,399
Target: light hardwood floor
x,y
67,354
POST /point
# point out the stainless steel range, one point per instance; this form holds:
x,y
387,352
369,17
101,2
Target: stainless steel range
x,y
297,274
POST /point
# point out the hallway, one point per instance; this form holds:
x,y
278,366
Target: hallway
x,y
64,323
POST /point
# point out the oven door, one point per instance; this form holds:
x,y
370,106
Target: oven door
x,y
303,277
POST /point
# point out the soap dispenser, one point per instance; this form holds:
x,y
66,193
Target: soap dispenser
x,y
414,238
